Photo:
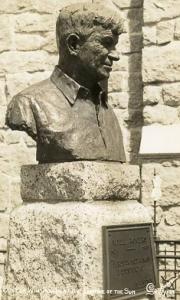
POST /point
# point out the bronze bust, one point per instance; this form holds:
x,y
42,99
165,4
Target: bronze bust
x,y
68,115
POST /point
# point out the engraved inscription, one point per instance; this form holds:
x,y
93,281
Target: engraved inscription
x,y
130,258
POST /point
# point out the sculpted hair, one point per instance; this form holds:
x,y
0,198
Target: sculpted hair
x,y
83,18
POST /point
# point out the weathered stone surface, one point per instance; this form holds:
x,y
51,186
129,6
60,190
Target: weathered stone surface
x,y
170,185
160,114
4,225
161,63
165,32
50,42
4,191
3,244
80,181
2,258
28,42
128,3
133,117
32,61
32,22
152,95
156,10
49,6
6,37
171,94
2,92
2,116
118,100
177,29
149,35
173,216
57,248
168,232
19,81
118,82
130,43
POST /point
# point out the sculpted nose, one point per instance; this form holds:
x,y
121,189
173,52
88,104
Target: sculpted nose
x,y
114,55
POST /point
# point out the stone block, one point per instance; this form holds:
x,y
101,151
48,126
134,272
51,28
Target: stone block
x,y
4,191
19,81
133,117
80,181
2,116
130,43
149,35
4,225
50,42
156,10
56,251
28,42
2,92
33,22
177,29
119,100
128,3
171,94
15,194
161,114
152,95
49,6
3,245
173,216
118,82
6,37
165,32
170,186
161,63
2,258
17,155
31,61
123,64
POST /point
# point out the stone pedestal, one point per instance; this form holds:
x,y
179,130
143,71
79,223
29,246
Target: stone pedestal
x,y
55,250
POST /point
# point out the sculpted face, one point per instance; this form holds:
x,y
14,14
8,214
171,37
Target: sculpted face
x,y
97,54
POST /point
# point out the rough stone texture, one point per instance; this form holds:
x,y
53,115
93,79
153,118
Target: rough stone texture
x,y
152,95
29,22
171,94
161,114
128,3
27,42
80,181
2,93
177,29
6,36
170,186
165,32
156,10
149,35
160,69
26,61
58,248
4,225
161,63
18,81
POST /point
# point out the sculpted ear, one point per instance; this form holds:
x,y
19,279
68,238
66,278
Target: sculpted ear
x,y
73,43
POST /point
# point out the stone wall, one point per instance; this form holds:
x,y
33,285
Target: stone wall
x,y
161,101
28,54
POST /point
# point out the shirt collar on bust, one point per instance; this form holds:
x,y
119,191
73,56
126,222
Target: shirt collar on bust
x,y
70,88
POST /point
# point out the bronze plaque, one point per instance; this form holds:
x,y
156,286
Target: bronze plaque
x,y
129,261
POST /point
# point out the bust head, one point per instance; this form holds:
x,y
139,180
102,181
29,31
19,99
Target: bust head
x,y
86,37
